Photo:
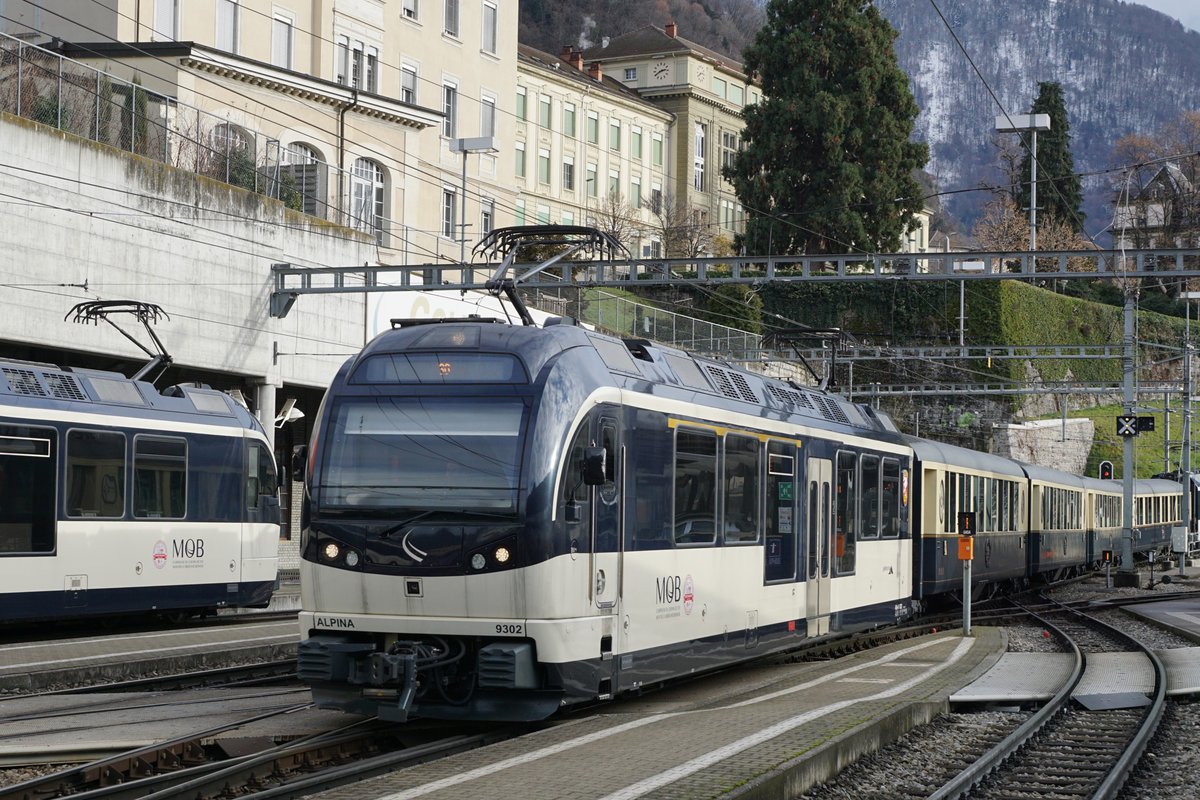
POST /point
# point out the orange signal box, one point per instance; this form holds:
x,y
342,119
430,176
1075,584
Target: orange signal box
x,y
966,548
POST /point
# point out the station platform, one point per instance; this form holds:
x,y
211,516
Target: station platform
x,y
38,666
767,731
1035,677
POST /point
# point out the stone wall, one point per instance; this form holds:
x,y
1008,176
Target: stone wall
x,y
1047,443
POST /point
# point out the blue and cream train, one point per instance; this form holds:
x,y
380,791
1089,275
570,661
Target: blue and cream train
x,y
116,499
499,521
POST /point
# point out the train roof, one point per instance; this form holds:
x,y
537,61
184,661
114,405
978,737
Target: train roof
x,y
637,364
953,455
34,384
1037,472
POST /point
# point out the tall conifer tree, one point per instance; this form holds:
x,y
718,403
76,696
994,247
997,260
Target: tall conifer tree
x,y
829,147
1059,194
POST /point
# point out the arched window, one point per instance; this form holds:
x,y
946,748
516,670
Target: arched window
x,y
227,138
300,153
367,197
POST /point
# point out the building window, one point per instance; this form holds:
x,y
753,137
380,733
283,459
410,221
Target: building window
x,y
591,180
631,73
228,138
718,87
701,136
614,183
300,153
449,205
543,215
656,149
614,135
451,25
544,166
593,128
487,216
635,143
357,65
520,102
371,79
227,25
489,27
520,213
656,198
450,109
735,93
408,84
281,42
166,20
568,174
410,9
544,111
635,193
729,148
568,120
519,166
568,218
487,116
367,196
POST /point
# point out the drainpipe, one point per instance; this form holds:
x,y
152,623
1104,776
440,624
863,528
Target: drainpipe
x,y
342,153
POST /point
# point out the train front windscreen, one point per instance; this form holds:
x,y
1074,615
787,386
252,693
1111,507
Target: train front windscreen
x,y
422,453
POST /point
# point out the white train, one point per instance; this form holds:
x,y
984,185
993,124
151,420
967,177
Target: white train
x,y
500,520
116,499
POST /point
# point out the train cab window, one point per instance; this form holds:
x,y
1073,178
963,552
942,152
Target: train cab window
x,y
261,480
159,477
868,514
741,489
574,492
27,484
889,499
95,474
845,525
695,487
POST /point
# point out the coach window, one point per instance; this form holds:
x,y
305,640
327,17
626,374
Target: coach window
x,y
846,518
949,511
695,486
27,472
990,522
95,474
159,477
741,489
868,515
890,498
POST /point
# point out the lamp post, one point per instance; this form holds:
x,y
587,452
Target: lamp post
x,y
1185,466
1017,123
474,144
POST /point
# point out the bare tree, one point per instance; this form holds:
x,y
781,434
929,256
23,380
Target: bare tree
x,y
683,231
615,217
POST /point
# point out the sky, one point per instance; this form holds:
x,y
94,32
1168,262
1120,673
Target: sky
x,y
1186,11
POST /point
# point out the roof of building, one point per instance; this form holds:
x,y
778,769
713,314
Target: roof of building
x,y
651,40
564,68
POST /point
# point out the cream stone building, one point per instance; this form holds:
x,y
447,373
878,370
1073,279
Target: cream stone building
x,y
588,150
357,102
705,92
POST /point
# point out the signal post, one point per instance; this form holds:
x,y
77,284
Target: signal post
x,y
966,554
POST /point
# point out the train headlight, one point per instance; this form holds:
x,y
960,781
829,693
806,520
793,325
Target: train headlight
x,y
502,555
331,551
351,558
478,561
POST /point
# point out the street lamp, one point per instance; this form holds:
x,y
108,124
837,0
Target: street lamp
x,y
1186,466
474,144
1016,123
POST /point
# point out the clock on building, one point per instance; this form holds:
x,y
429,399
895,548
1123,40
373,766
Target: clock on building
x,y
660,70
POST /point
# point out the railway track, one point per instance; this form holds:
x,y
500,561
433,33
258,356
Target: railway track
x,y
1067,749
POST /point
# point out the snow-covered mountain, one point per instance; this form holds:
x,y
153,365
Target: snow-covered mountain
x,y
1124,68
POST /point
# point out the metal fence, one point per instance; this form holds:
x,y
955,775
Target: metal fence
x,y
43,86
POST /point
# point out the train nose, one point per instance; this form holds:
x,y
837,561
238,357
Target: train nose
x,y
416,548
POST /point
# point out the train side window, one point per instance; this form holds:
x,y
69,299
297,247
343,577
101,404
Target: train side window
x,y
845,514
868,509
695,487
95,474
650,483
779,518
741,489
608,440
574,491
813,530
27,485
159,477
889,497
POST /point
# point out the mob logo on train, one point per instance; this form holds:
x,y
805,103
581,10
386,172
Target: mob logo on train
x,y
160,554
672,589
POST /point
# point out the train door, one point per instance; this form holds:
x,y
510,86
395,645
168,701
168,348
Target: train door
x,y
607,538
781,521
818,498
